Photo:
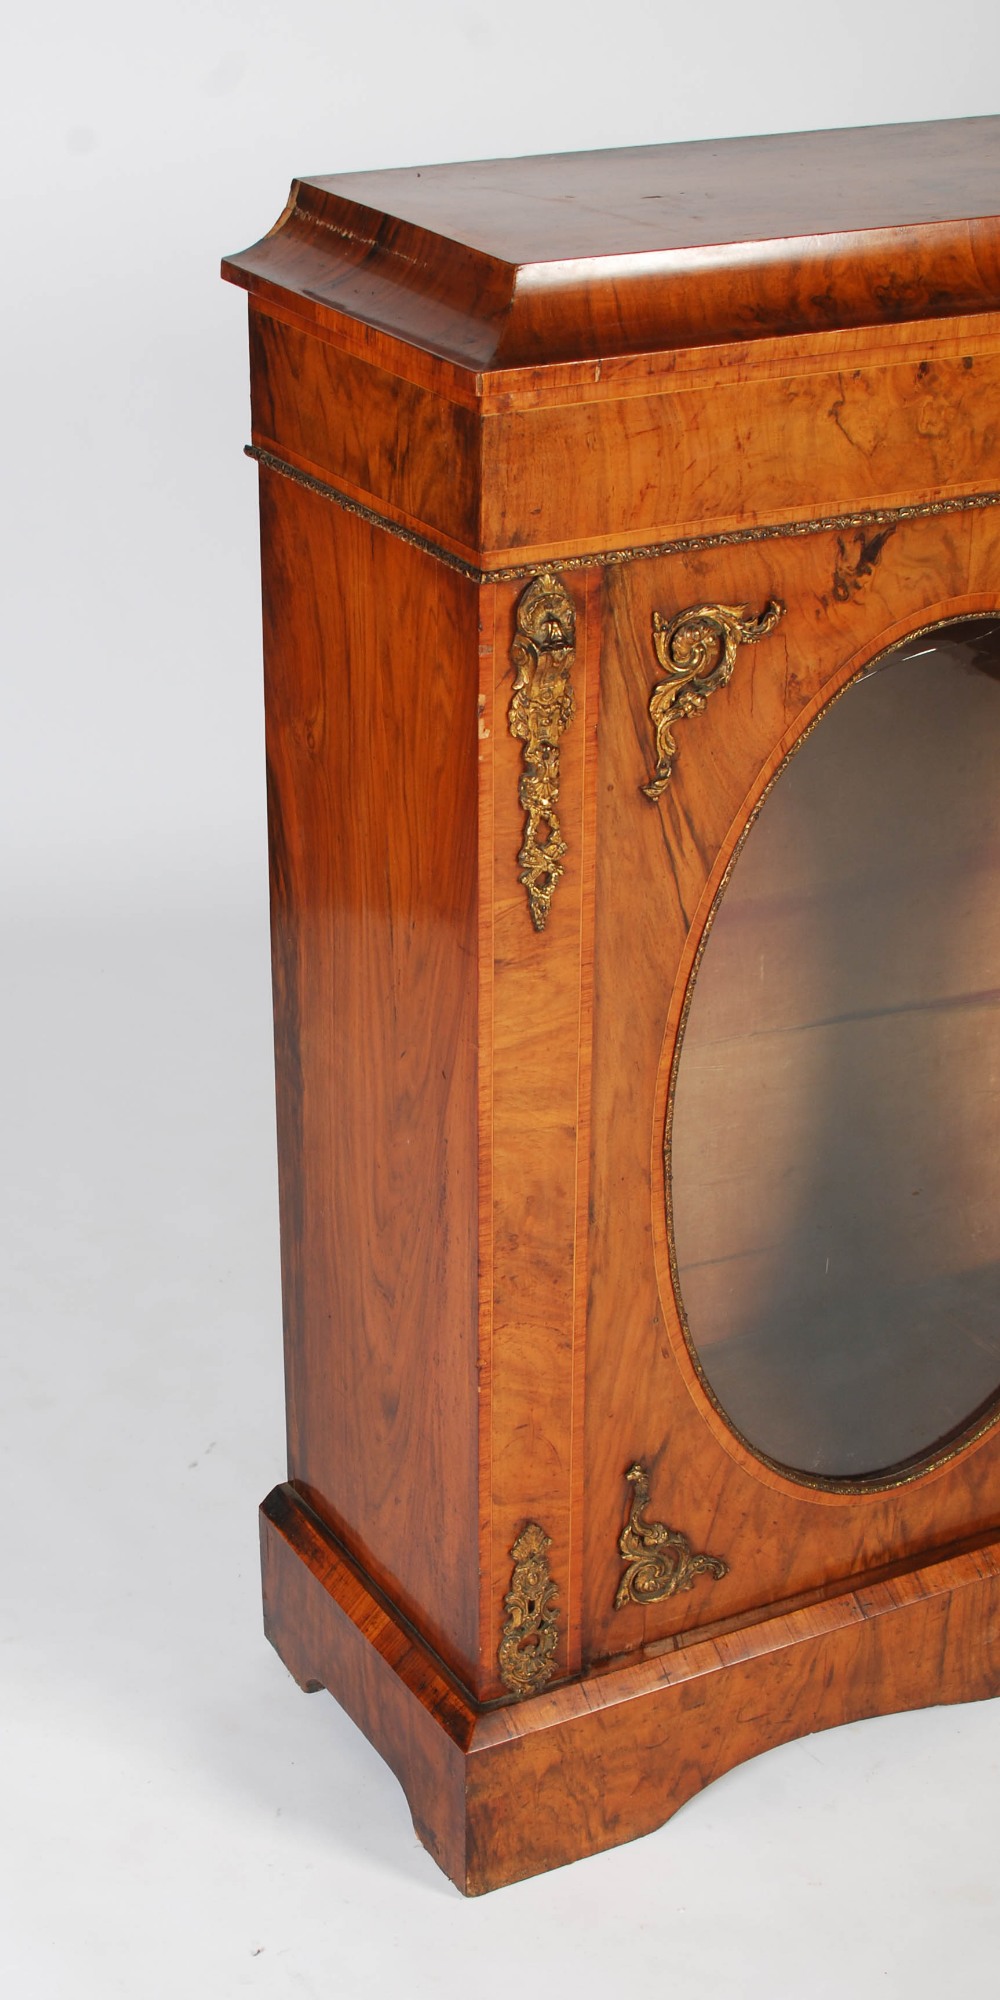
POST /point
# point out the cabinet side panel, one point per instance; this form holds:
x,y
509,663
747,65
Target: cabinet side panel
x,y
386,442
370,671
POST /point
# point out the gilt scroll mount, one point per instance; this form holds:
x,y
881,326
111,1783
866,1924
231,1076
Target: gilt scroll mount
x,y
542,705
531,1633
697,650
659,1560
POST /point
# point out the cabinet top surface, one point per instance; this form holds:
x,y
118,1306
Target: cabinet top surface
x,y
642,199
577,256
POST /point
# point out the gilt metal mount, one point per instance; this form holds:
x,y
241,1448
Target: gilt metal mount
x,y
697,650
660,1560
531,1634
541,707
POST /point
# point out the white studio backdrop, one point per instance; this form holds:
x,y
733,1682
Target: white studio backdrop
x,y
140,147
177,1817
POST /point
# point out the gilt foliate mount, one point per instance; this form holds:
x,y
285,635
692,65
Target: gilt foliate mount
x,y
697,650
659,1560
542,705
531,1631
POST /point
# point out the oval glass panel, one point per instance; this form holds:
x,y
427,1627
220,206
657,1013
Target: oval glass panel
x,y
834,1142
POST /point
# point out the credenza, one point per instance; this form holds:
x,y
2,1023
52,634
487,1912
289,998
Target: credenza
x,y
630,530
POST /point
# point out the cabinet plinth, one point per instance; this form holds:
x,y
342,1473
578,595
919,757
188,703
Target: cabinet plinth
x,y
574,530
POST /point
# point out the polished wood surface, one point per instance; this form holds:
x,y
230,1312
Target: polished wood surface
x,y
646,940
372,809
514,263
857,431
535,1054
498,1794
791,436
374,437
554,207
481,1322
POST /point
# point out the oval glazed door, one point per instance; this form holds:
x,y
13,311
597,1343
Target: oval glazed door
x,y
834,1130
793,1363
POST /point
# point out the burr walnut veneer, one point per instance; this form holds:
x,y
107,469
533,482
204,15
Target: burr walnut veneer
x,y
631,554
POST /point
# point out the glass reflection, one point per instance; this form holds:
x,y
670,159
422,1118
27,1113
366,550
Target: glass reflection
x,y
834,1159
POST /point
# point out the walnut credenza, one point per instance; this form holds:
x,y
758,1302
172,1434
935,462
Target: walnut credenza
x,y
636,997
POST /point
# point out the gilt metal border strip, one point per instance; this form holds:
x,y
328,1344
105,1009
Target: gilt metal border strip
x,y
865,517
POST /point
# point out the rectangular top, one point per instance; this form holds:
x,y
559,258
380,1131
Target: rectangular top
x,y
554,206
572,256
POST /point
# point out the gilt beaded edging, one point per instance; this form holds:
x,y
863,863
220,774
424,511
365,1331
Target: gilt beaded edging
x,y
824,524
